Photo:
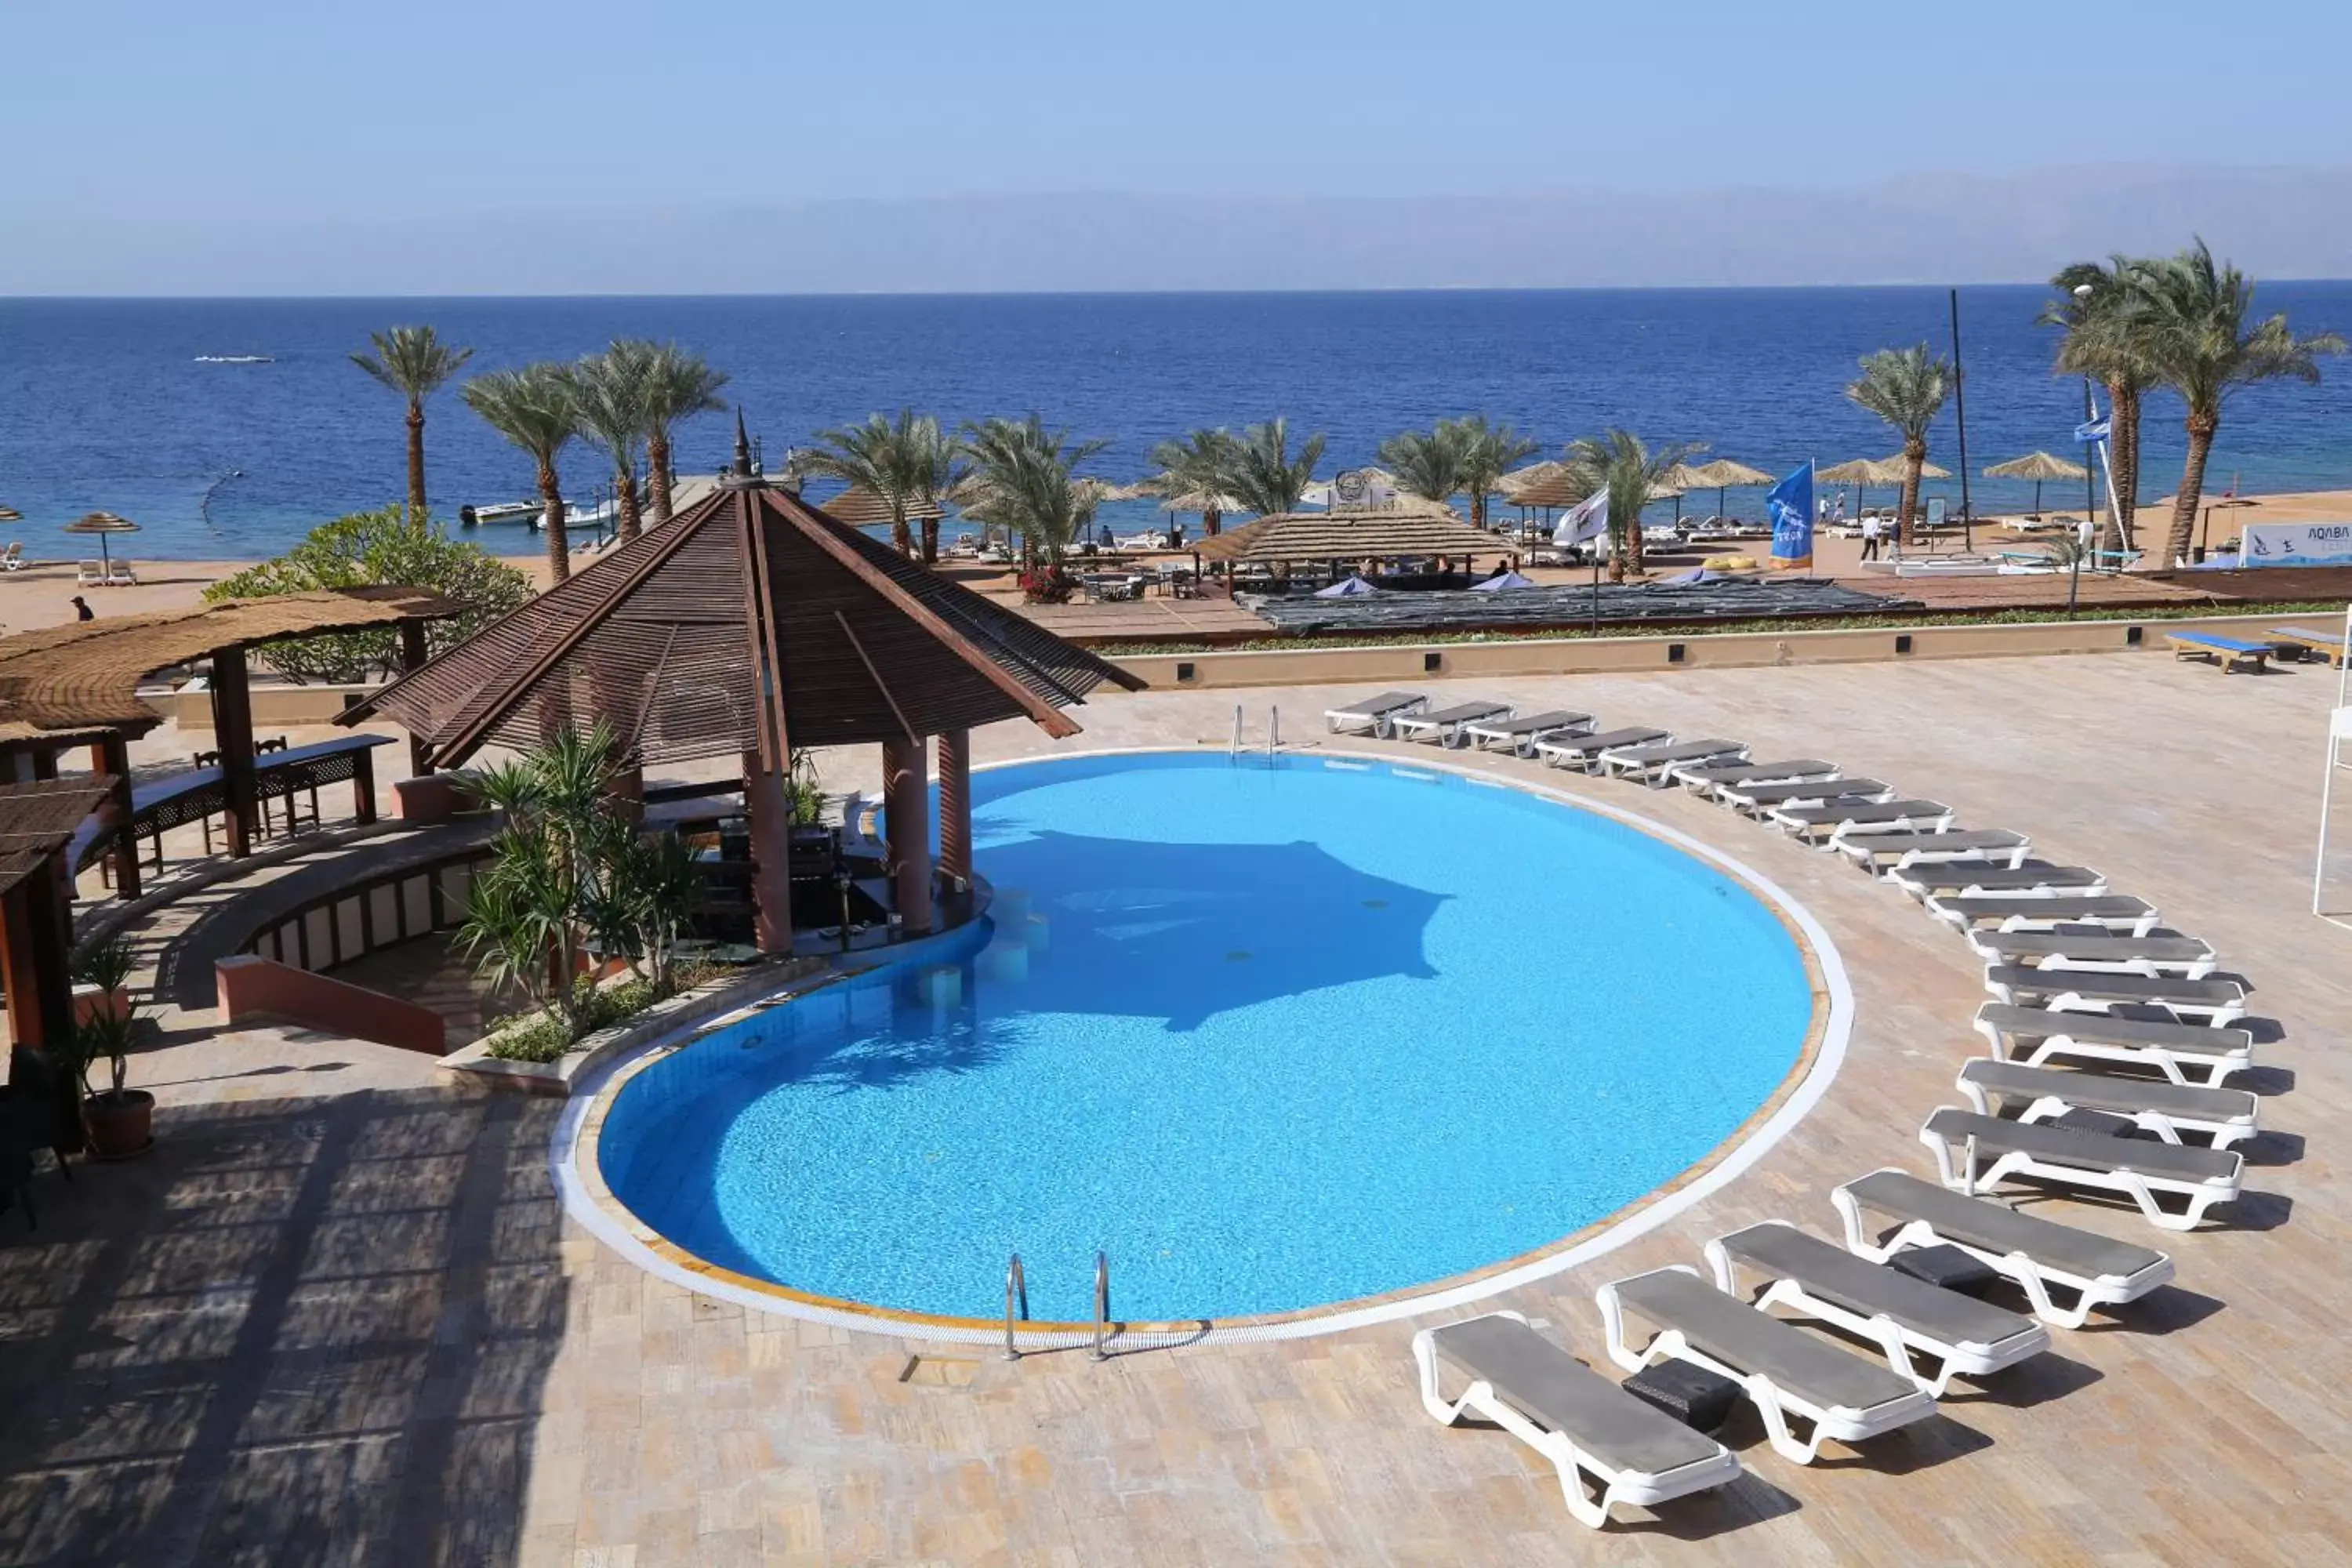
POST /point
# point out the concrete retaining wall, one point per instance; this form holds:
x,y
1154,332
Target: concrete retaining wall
x,y
256,988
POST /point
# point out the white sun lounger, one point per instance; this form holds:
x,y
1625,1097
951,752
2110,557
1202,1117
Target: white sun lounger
x,y
1653,763
2223,1116
1885,854
2037,1254
2097,951
1579,751
2218,1002
2144,1171
89,574
1520,735
2044,1036
1904,1317
1756,799
1578,1419
1822,823
1704,778
1371,716
2038,911
1967,879
1444,725
1784,1370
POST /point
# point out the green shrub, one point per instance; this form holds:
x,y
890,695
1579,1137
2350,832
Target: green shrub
x,y
543,1039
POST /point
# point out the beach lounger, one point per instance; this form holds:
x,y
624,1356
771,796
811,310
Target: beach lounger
x,y
1578,1419
89,574
1577,750
1520,735
2041,910
1957,1335
1703,778
2035,1035
2223,1116
1371,716
1884,854
13,558
1442,725
1653,763
2196,1179
1756,798
2037,1254
1931,879
2095,949
1819,823
122,577
2329,646
2228,654
1784,1370
2218,1002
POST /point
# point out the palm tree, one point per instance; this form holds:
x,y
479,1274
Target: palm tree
x,y
1629,470
2099,309
2201,341
1198,465
608,393
415,362
1023,478
1488,453
908,462
1906,387
678,385
533,408
1427,463
1263,477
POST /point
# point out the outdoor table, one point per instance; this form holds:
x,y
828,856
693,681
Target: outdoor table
x,y
198,793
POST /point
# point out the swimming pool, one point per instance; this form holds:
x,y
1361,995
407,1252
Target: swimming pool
x,y
1270,1038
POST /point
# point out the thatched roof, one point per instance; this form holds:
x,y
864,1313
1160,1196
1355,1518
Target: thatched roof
x,y
38,819
59,683
750,618
1512,486
2038,466
1724,474
1348,535
861,507
1860,471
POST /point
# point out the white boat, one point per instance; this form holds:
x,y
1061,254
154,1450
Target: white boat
x,y
235,359
526,511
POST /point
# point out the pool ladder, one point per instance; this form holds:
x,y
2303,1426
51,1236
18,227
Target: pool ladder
x,y
1273,733
1016,1300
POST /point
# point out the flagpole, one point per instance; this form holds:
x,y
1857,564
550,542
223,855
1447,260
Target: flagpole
x,y
1961,400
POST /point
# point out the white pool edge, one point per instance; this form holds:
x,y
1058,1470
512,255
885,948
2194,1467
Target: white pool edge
x,y
1723,1166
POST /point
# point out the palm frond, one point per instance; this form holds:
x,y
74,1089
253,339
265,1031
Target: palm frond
x,y
412,361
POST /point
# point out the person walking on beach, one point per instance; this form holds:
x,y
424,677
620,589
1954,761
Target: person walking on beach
x,y
82,611
1873,533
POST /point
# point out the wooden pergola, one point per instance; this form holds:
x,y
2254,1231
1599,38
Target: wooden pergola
x,y
751,624
37,821
78,684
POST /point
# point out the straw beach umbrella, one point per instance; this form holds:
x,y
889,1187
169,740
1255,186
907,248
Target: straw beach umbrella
x,y
2038,466
1722,475
1861,473
102,523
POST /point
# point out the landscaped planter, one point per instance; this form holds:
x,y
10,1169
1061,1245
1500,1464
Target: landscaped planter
x,y
122,1124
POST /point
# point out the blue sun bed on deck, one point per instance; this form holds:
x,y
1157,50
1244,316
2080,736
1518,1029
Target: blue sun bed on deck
x,y
2226,652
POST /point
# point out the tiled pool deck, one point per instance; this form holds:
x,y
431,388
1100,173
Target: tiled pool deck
x,y
357,1328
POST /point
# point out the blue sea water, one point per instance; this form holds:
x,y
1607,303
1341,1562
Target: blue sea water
x,y
1268,1037
103,403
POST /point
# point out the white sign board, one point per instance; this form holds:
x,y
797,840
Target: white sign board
x,y
2297,544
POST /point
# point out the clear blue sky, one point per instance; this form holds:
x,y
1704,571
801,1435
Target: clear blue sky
x,y
213,115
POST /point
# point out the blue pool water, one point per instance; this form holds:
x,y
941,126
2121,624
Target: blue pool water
x,y
1268,1037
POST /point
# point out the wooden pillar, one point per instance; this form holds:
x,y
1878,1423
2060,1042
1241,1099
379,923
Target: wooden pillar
x,y
113,756
907,803
33,965
44,764
770,808
955,804
362,789
233,730
413,654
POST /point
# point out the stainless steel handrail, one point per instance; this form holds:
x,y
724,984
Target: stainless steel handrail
x,y
1235,749
1272,731
1102,1307
1016,1289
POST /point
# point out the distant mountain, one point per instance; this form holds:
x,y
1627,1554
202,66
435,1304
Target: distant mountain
x,y
2277,223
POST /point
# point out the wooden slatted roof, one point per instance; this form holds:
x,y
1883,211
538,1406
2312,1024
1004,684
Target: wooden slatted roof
x,y
38,819
68,683
749,596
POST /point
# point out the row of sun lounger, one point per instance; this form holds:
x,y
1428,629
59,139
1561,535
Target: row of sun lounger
x,y
2074,973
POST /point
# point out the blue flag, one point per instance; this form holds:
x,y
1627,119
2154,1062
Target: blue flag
x,y
1789,505
2091,429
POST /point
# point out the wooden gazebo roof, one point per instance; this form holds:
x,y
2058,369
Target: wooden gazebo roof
x,y
38,819
64,684
1344,535
751,614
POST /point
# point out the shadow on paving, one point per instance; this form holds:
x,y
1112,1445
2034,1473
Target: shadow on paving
x,y
301,1330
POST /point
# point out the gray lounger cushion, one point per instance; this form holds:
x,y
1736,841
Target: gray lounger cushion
x,y
1745,772
1998,1228
1460,713
1951,878
1386,702
1681,752
2105,1091
1530,725
2105,987
1966,838
2094,948
2053,1145
2055,906
1542,1381
1823,790
1737,1335
1829,1271
1588,745
2106,1029
1864,811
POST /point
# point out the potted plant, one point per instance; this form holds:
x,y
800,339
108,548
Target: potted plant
x,y
101,974
121,1121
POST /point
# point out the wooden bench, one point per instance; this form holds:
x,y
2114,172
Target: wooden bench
x,y
2228,654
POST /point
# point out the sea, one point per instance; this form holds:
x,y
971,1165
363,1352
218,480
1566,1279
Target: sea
x,y
226,428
